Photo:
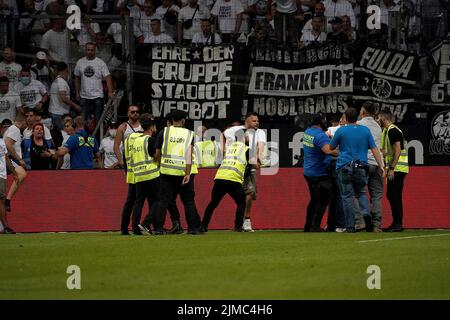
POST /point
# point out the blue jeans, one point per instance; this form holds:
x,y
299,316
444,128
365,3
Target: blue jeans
x,y
92,106
352,183
57,121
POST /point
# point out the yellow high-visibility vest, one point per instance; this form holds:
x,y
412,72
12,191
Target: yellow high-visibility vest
x,y
177,142
234,163
402,164
128,147
207,153
142,164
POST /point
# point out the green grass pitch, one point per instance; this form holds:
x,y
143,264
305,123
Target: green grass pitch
x,y
226,265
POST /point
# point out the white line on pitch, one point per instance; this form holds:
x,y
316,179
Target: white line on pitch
x,y
413,237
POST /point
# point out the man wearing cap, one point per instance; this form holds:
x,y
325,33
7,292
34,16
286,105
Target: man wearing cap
x,y
336,35
60,102
41,70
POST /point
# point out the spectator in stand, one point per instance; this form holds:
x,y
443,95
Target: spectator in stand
x,y
387,6
319,10
81,147
5,124
115,29
67,132
168,13
9,68
31,118
189,21
144,21
33,93
42,71
284,20
206,36
9,100
337,36
315,35
339,8
347,29
13,141
260,35
259,10
108,157
32,24
157,36
89,73
38,152
229,15
88,31
60,102
56,41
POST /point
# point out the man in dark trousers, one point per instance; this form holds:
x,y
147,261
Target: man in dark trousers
x,y
393,146
229,179
174,147
317,159
352,166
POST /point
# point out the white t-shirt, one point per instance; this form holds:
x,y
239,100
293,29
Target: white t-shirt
x,y
286,6
186,14
27,133
253,139
168,28
57,106
227,14
162,38
107,147
9,102
115,29
14,133
92,73
339,8
31,94
3,153
57,44
200,38
11,71
84,36
145,27
308,37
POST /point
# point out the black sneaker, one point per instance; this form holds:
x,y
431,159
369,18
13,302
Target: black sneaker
x,y
159,232
393,229
195,231
204,228
124,233
350,230
368,222
176,228
8,230
236,229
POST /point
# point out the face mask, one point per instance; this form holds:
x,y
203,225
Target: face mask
x,y
112,133
25,80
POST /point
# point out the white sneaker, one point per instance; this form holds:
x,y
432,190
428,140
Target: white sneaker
x,y
340,230
144,230
247,226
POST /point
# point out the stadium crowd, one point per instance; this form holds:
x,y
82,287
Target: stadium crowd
x,y
52,99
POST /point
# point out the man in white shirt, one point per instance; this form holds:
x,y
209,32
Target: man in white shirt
x,y
33,93
115,29
157,36
229,14
168,11
144,21
257,144
206,36
42,71
33,24
89,74
339,8
13,140
189,21
60,102
9,101
56,42
9,68
315,35
107,154
385,7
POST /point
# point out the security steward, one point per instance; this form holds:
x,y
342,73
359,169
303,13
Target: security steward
x,y
229,179
145,172
207,152
393,146
174,148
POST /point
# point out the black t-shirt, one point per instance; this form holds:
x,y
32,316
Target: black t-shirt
x,y
151,146
37,162
396,136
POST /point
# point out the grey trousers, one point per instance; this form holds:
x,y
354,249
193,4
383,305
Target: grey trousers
x,y
376,191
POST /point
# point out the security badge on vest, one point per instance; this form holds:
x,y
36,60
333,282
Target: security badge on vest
x,y
176,144
402,164
140,164
234,164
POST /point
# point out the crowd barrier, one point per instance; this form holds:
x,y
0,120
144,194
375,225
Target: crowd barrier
x,y
62,201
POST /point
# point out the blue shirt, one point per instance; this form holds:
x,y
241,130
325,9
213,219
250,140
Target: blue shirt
x,y
353,141
82,148
315,161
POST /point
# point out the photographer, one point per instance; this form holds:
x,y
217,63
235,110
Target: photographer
x,y
317,159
